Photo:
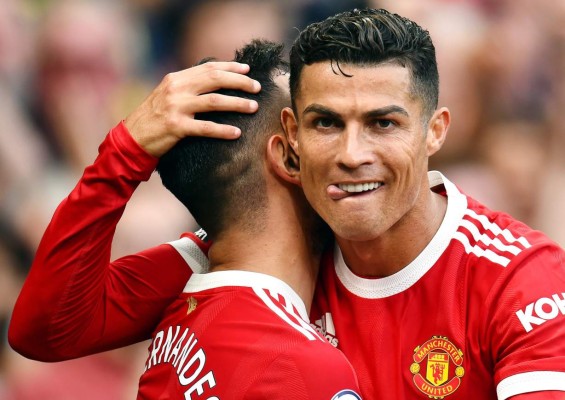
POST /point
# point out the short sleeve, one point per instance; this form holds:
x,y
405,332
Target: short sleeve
x,y
526,323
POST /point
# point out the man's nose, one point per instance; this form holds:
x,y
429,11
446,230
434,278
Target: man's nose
x,y
354,149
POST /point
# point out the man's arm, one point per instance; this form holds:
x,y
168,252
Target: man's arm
x,y
76,302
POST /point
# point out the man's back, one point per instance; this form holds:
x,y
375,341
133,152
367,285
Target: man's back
x,y
241,335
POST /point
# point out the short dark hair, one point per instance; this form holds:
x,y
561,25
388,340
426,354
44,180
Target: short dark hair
x,y
221,181
368,37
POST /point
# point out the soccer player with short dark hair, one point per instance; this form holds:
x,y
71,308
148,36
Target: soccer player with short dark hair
x,y
430,294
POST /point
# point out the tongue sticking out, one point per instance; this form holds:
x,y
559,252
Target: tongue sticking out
x,y
336,193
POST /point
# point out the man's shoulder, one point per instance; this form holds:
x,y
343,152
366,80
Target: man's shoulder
x,y
495,237
266,322
325,358
254,302
321,367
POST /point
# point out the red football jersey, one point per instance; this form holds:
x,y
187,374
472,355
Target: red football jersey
x,y
242,335
480,313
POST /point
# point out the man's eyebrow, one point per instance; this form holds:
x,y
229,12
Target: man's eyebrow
x,y
381,112
319,109
378,113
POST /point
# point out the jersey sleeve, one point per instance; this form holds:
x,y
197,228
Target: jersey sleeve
x,y
307,373
526,323
75,301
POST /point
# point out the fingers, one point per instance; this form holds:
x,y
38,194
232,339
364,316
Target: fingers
x,y
193,127
190,89
219,102
231,66
213,76
167,114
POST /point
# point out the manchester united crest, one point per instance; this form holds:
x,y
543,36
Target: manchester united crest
x,y
438,367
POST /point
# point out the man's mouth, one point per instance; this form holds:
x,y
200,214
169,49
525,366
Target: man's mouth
x,y
342,190
359,187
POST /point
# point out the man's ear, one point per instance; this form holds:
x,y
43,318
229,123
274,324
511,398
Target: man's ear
x,y
283,159
437,130
290,126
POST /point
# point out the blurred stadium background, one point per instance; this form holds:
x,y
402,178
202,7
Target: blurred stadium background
x,y
71,69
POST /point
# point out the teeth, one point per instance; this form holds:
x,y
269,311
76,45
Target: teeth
x,y
358,187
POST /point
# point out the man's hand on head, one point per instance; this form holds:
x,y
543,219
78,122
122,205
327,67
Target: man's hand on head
x,y
167,114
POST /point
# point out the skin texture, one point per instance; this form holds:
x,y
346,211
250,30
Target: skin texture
x,y
368,128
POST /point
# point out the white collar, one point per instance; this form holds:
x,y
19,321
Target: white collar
x,y
254,280
409,275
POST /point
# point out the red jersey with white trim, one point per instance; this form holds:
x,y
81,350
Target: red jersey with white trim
x,y
480,313
242,335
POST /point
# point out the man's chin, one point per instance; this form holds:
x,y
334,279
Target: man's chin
x,y
355,233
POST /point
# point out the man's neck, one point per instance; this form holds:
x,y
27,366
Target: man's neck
x,y
398,246
280,249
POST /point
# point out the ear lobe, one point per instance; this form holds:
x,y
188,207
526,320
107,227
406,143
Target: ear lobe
x,y
288,122
283,159
437,130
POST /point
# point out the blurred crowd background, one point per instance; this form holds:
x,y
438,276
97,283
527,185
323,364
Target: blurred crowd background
x,y
70,70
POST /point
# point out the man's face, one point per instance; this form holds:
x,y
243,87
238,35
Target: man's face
x,y
362,145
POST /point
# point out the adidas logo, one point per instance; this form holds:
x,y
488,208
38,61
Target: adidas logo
x,y
325,326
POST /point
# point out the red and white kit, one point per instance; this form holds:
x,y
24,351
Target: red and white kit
x,y
480,313
242,335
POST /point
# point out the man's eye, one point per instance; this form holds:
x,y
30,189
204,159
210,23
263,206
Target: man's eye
x,y
383,123
324,123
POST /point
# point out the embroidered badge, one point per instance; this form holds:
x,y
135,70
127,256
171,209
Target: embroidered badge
x,y
192,303
437,367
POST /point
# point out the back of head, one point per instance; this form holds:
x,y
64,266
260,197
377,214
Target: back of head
x,y
221,182
367,38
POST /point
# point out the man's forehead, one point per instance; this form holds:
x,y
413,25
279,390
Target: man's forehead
x,y
346,83
334,70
